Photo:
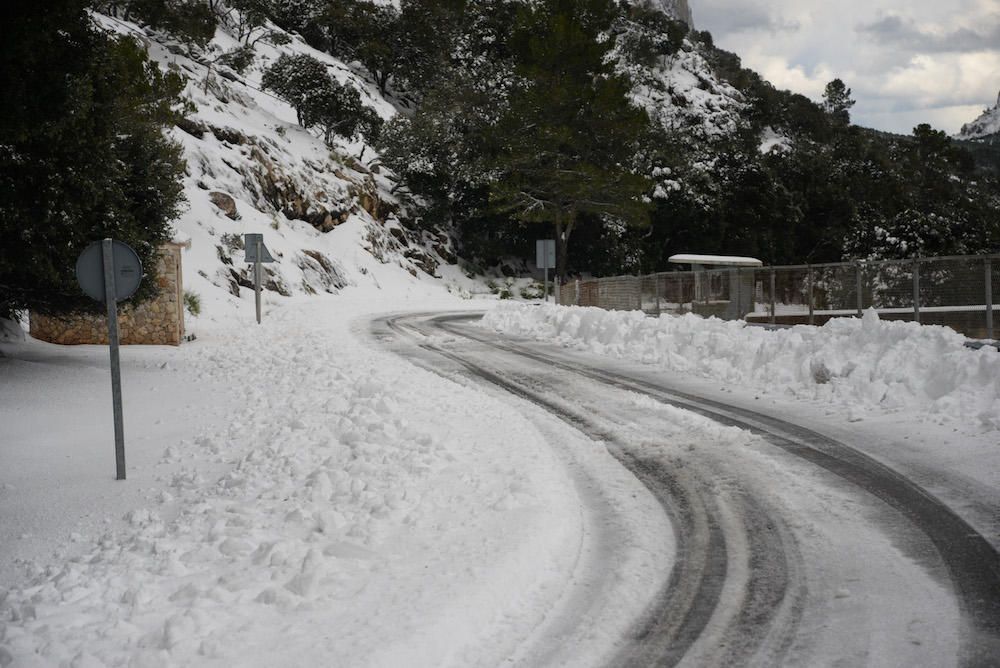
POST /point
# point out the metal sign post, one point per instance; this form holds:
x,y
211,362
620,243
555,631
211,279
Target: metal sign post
x,y
110,271
257,253
257,279
545,258
116,369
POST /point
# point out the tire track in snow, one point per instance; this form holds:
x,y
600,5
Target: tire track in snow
x,y
679,614
973,563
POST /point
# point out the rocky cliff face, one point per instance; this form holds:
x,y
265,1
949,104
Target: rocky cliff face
x,y
985,126
678,9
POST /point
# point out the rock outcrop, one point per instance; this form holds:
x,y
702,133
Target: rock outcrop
x,y
987,125
678,9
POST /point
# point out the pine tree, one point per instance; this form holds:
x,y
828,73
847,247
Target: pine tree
x,y
568,136
318,99
837,102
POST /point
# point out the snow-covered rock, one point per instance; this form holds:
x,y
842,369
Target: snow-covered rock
x,y
677,9
984,126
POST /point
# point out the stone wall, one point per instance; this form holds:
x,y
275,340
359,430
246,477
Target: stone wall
x,y
621,293
157,322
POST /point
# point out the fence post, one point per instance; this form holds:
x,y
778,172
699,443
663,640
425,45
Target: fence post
x,y
558,289
989,299
656,286
638,283
578,292
857,286
916,289
809,288
773,315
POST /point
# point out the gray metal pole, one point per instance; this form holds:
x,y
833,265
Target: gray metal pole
x,y
111,302
857,287
656,286
916,289
578,292
809,287
545,295
773,314
257,277
739,293
989,299
556,289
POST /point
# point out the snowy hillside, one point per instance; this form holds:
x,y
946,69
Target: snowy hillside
x,y
327,214
683,93
984,126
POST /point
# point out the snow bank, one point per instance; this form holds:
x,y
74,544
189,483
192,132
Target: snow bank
x,y
866,363
365,511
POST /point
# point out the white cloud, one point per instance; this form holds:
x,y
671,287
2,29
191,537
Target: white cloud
x,y
900,58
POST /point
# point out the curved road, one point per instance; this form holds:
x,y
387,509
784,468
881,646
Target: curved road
x,y
796,549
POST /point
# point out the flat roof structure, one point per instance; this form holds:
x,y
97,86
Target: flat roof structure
x,y
719,260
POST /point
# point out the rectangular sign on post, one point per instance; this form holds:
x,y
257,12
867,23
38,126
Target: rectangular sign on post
x,y
545,253
255,252
545,258
250,243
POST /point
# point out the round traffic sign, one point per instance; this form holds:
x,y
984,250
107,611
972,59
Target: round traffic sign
x,y
126,266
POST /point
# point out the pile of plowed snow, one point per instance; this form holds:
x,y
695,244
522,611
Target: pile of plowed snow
x,y
867,362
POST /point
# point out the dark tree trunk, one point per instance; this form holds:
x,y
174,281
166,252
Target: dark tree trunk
x,y
564,227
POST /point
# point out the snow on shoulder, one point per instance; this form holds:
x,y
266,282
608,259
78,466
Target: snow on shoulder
x,y
866,363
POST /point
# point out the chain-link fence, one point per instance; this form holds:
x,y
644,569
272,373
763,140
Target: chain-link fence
x,y
956,291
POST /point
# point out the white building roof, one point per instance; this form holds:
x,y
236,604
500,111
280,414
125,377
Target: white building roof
x,y
726,260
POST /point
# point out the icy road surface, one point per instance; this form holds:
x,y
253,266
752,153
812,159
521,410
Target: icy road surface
x,y
794,546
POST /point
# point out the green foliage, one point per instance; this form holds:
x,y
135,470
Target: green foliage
x,y
520,119
238,59
192,302
190,20
837,102
82,153
568,135
539,131
367,32
318,99
644,34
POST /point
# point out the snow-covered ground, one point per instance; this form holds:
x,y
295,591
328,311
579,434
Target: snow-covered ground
x,y
294,497
298,493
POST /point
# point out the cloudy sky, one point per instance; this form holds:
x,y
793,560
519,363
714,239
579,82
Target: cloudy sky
x,y
908,62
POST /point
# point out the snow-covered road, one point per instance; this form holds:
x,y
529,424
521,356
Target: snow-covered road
x,y
793,547
341,487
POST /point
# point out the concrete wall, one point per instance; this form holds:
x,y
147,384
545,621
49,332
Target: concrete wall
x,y
157,322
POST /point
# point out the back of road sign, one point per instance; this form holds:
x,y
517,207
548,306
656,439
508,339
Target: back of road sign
x,y
250,243
545,253
90,271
